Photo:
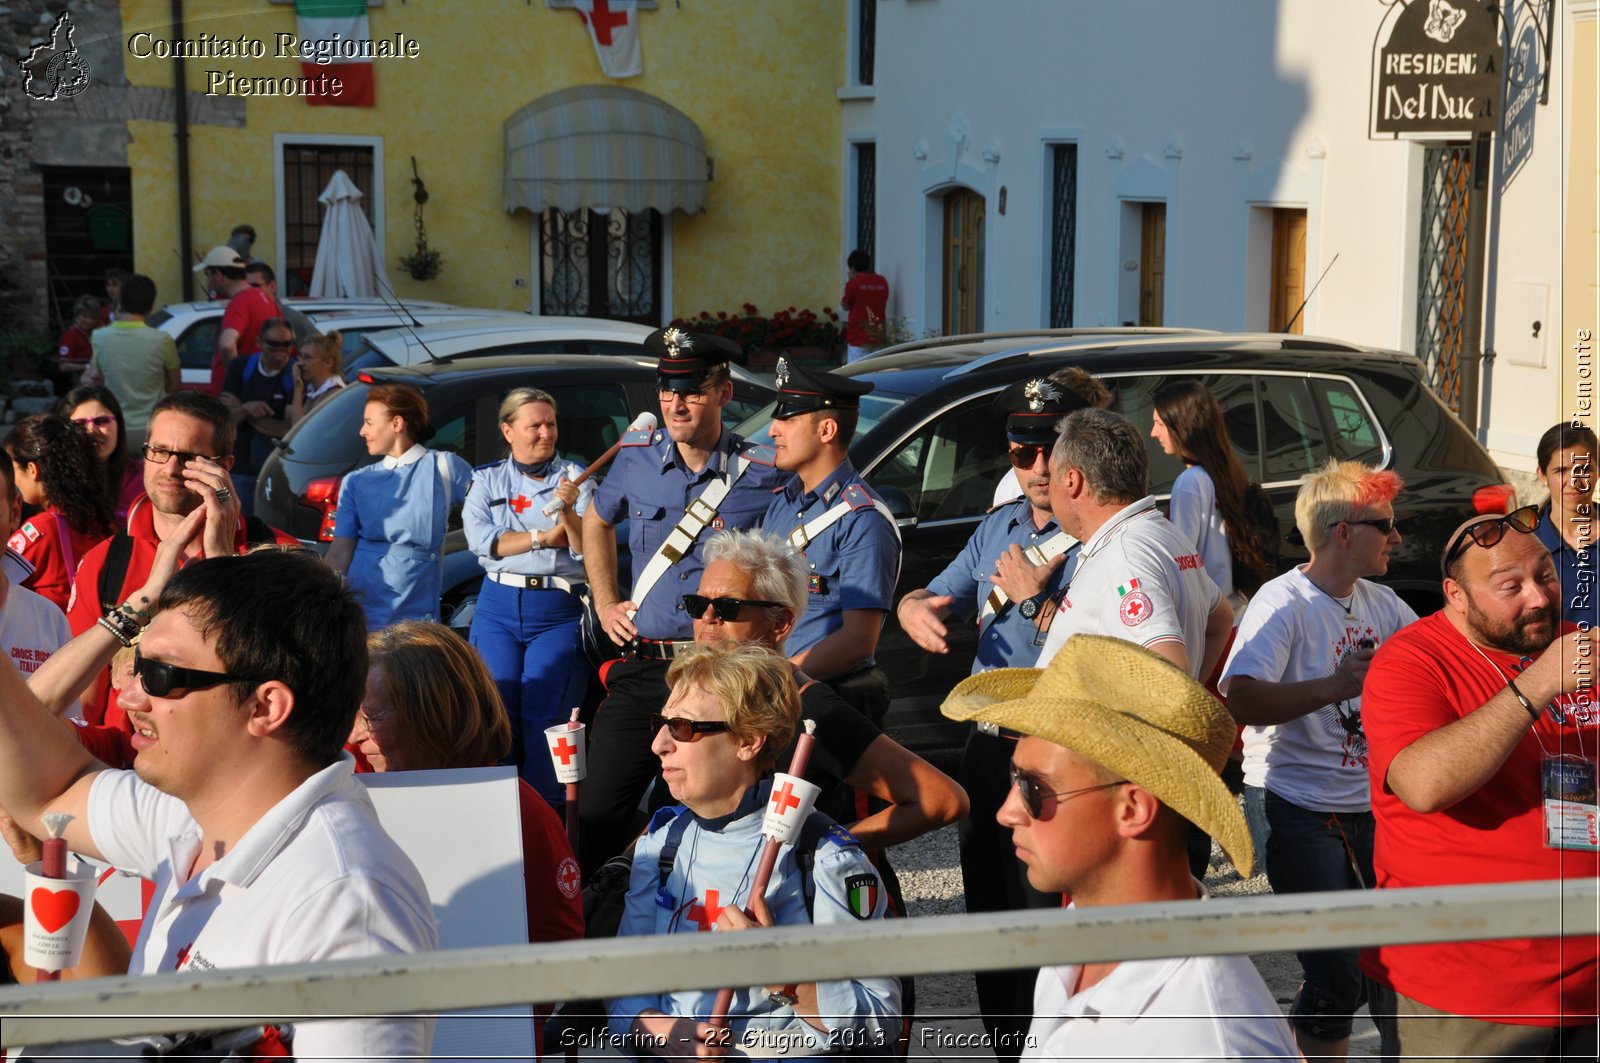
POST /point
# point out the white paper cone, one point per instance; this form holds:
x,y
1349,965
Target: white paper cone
x,y
566,742
791,801
55,916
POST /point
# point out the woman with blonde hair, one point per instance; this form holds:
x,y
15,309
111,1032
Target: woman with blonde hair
x,y
316,372
388,538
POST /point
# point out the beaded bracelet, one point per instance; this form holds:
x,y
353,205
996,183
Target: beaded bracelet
x,y
116,629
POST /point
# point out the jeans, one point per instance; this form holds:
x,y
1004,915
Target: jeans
x,y
1255,817
1309,851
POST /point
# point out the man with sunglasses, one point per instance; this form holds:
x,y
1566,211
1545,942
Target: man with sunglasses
x,y
1294,679
846,534
1482,730
187,459
1006,577
257,392
675,485
241,808
1120,754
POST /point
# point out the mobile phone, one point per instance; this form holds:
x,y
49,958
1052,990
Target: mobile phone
x,y
1367,644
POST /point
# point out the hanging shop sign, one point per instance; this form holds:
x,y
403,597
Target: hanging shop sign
x,y
1524,78
1437,74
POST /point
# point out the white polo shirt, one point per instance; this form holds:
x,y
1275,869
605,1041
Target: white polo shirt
x,y
1137,580
1191,1008
316,878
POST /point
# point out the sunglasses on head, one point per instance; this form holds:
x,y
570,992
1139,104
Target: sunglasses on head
x,y
160,679
1488,533
725,609
103,421
1383,524
683,730
1026,454
1033,792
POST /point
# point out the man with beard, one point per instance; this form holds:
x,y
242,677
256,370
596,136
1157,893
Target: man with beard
x,y
1482,770
1294,679
188,453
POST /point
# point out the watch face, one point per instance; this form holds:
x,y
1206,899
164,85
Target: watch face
x,y
1029,608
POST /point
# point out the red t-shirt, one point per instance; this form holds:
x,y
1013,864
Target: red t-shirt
x,y
866,296
74,348
1426,676
247,312
54,558
84,607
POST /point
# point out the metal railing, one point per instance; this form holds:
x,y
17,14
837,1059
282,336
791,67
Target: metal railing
x,y
485,977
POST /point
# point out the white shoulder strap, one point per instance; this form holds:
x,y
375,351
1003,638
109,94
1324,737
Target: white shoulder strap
x,y
1042,554
700,513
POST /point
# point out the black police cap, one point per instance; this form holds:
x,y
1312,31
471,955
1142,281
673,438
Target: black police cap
x,y
683,359
802,390
1032,408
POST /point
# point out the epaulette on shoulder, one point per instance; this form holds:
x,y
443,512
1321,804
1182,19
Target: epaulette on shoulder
x,y
760,453
839,835
858,497
662,817
488,465
998,506
641,438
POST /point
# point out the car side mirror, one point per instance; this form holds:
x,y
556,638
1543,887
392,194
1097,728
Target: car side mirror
x,y
900,507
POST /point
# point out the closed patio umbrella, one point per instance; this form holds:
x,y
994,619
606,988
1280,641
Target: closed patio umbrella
x,y
347,254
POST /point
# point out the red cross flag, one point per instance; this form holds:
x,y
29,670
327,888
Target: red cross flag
x,y
791,802
614,28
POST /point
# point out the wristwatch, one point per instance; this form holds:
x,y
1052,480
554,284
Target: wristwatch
x,y
786,996
1029,607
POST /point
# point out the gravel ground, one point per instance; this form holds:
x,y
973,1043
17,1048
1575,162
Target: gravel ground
x,y
930,875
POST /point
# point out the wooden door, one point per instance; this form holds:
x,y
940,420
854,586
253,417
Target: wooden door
x,y
1288,270
1152,263
963,262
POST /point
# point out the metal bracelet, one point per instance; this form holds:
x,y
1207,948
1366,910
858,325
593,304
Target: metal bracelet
x,y
115,629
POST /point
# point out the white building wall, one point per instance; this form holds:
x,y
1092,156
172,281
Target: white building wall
x,y
1220,108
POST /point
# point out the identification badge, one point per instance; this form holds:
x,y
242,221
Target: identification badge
x,y
1571,809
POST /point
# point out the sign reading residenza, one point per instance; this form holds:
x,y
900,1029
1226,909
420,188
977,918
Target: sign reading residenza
x,y
1438,73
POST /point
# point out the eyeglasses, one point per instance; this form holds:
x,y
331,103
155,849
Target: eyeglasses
x,y
160,679
1024,456
371,720
683,730
105,420
726,609
1033,792
698,397
1488,533
161,455
1384,524
276,345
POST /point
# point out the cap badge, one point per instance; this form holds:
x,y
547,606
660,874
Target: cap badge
x,y
676,340
783,373
1038,392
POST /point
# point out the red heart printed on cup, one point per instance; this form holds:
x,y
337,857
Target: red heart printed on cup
x,y
53,908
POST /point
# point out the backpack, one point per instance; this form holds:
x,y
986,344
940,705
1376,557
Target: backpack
x,y
120,552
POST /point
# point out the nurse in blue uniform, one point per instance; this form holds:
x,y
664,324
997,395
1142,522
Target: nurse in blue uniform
x,y
523,518
388,537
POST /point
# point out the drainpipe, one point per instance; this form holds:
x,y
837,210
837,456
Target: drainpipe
x,y
1472,333
180,112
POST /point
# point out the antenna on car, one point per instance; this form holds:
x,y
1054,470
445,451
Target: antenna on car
x,y
1287,325
412,324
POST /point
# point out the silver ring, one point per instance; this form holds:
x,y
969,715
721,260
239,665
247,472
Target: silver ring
x,y
223,494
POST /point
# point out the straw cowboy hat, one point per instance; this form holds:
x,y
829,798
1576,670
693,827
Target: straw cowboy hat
x,y
1129,711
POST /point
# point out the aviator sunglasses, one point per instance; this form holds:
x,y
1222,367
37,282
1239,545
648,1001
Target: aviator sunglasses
x,y
724,609
683,730
1024,456
1033,792
1488,533
160,679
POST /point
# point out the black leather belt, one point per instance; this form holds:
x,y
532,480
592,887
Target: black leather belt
x,y
654,650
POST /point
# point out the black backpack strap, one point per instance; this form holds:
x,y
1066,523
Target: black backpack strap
x,y
115,569
669,848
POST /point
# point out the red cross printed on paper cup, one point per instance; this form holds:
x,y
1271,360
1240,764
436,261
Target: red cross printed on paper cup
x,y
55,916
791,802
566,741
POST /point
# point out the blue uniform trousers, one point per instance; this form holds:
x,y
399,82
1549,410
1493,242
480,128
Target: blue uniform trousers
x,y
529,640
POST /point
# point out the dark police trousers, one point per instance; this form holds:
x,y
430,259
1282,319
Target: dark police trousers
x,y
620,762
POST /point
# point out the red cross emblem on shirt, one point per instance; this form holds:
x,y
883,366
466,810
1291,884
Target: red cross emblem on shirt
x,y
564,750
520,503
1135,607
603,20
705,915
183,954
783,800
567,878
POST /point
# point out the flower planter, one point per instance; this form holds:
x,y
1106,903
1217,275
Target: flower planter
x,y
765,359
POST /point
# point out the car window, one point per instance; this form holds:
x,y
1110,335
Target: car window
x,y
874,408
159,318
590,417
198,343
1235,393
616,347
1355,437
950,466
1291,428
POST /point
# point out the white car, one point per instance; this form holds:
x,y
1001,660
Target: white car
x,y
525,335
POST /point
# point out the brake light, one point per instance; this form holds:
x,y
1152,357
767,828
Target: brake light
x,y
365,378
1496,498
323,494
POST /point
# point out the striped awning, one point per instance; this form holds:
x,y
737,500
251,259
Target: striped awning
x,y
600,146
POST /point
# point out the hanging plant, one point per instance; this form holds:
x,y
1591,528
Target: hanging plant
x,y
424,263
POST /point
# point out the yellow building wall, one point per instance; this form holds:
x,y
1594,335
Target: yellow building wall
x,y
758,76
1580,296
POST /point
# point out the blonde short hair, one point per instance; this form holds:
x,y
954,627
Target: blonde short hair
x,y
329,348
517,398
754,686
1340,491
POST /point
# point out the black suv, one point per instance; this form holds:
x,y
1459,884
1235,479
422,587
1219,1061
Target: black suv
x,y
597,396
929,441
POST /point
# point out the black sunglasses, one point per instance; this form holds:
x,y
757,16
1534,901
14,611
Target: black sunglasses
x,y
1488,533
277,345
1383,524
160,679
1033,792
683,730
725,609
1025,455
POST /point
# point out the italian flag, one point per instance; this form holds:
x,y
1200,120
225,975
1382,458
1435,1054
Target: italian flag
x,y
341,21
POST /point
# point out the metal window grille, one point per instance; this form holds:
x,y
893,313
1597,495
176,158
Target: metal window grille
x,y
867,199
866,39
307,169
1063,232
1442,267
601,265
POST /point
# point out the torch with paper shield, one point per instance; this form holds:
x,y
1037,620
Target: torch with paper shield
x,y
58,903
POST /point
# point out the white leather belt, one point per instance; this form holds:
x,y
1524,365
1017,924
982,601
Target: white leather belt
x,y
1042,554
537,583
